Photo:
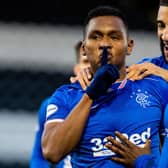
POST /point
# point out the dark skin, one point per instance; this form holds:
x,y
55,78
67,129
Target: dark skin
x,y
102,31
137,72
127,150
130,152
140,71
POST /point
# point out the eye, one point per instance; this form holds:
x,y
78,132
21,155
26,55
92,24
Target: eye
x,y
161,25
95,36
115,37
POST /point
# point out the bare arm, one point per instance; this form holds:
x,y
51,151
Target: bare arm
x,y
139,71
60,138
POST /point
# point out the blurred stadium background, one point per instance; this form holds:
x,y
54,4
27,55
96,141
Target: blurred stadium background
x,y
37,55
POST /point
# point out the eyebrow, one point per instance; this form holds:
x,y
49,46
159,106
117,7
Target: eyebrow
x,y
110,32
159,21
96,32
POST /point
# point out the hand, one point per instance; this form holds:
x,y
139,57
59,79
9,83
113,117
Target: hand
x,y
73,79
103,78
128,151
140,71
84,77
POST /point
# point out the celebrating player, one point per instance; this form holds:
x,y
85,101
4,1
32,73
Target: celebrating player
x,y
79,121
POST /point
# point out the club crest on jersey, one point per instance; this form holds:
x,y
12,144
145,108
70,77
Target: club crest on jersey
x,y
51,109
141,98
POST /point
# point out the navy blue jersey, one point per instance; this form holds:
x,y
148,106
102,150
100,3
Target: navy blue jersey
x,y
135,109
37,160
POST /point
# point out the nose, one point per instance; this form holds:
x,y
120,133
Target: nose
x,y
104,47
105,43
165,34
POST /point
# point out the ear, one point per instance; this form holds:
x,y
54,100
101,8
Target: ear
x,y
130,46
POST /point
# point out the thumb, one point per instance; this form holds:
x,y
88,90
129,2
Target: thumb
x,y
73,79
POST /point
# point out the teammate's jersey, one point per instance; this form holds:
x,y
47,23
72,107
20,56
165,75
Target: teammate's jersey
x,y
37,160
147,161
142,161
133,108
159,61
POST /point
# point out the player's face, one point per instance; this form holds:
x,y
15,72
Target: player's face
x,y
110,32
162,26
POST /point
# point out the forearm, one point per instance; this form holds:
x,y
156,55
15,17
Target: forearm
x,y
75,123
60,140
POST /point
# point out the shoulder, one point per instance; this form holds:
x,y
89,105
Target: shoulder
x,y
66,94
154,78
155,60
69,88
44,102
42,111
157,86
153,83
156,81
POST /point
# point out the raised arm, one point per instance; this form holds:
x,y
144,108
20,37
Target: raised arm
x,y
60,138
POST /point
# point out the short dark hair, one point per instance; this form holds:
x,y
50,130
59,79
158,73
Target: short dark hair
x,y
105,11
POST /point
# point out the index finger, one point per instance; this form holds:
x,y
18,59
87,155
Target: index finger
x,y
123,138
